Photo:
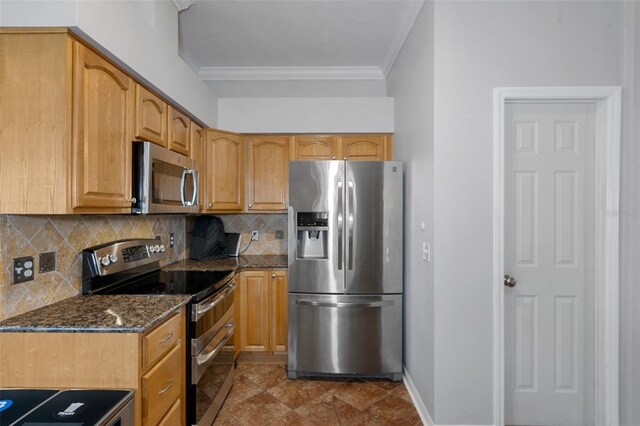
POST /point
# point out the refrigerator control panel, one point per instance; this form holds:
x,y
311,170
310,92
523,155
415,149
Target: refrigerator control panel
x,y
313,218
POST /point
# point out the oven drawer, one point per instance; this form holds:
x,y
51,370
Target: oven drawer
x,y
161,386
157,342
173,416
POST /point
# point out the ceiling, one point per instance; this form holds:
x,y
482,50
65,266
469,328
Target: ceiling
x,y
295,39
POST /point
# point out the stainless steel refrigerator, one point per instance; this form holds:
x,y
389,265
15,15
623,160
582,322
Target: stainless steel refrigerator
x,y
345,268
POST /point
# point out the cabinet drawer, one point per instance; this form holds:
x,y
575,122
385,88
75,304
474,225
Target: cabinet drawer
x,y
161,386
158,341
173,417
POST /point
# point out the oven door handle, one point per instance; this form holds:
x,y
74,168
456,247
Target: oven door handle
x,y
201,308
204,358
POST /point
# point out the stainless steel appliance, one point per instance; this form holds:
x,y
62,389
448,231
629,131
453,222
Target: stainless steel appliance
x,y
69,407
345,268
163,181
132,267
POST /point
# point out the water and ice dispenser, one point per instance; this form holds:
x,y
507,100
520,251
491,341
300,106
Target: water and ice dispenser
x,y
312,229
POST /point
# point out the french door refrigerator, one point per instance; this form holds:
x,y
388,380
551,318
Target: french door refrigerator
x,y
345,268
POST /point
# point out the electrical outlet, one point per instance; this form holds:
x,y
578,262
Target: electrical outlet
x,y
47,262
22,269
279,235
255,235
171,240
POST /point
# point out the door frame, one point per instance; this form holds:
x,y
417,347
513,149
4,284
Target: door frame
x,y
607,102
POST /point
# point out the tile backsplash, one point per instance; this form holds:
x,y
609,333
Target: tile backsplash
x,y
265,224
67,236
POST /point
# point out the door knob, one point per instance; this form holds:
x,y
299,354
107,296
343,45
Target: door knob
x,y
509,281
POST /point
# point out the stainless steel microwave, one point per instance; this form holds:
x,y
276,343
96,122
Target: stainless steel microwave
x,y
163,181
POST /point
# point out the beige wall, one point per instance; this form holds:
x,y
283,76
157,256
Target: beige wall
x,y
68,236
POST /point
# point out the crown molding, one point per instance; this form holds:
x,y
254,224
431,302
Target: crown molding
x,y
404,28
291,73
182,4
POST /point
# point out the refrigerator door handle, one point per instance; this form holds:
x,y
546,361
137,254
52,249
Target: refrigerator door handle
x,y
316,303
340,225
350,206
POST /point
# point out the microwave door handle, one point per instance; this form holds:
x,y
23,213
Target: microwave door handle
x,y
183,185
194,198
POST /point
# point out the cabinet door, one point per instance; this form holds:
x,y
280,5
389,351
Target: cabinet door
x,y
225,179
279,329
267,175
151,117
254,311
102,132
179,132
315,147
366,147
197,153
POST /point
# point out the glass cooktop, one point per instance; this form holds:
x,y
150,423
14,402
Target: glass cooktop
x,y
199,284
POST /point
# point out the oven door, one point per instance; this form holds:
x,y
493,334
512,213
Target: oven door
x,y
164,181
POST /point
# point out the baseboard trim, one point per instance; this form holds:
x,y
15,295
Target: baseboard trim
x,y
417,401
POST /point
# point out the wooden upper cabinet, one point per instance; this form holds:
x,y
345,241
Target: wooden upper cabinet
x,y
366,147
102,133
225,177
179,131
35,117
151,117
267,174
279,324
308,147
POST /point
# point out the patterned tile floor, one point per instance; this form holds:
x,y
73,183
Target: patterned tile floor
x,y
262,395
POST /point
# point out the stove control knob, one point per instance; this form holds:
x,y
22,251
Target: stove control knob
x,y
105,261
152,249
162,248
113,258
157,249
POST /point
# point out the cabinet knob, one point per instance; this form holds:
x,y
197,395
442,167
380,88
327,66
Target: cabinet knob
x,y
133,200
344,158
250,205
273,275
333,158
210,205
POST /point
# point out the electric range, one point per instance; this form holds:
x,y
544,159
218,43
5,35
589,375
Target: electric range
x,y
133,267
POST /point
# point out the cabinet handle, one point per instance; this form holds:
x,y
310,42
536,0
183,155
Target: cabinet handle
x,y
166,337
166,388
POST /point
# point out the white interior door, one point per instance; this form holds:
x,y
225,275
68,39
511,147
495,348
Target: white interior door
x,y
549,250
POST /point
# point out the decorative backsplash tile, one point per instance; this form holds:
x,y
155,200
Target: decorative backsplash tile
x,y
67,236
265,224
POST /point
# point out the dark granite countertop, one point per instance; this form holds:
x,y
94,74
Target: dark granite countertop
x,y
231,263
97,314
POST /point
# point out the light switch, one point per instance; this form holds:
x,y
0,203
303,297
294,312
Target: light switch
x,y
426,252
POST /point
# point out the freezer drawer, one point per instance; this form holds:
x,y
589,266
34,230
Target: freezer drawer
x,y
355,335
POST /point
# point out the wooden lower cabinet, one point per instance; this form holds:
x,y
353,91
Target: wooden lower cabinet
x,y
151,364
263,311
